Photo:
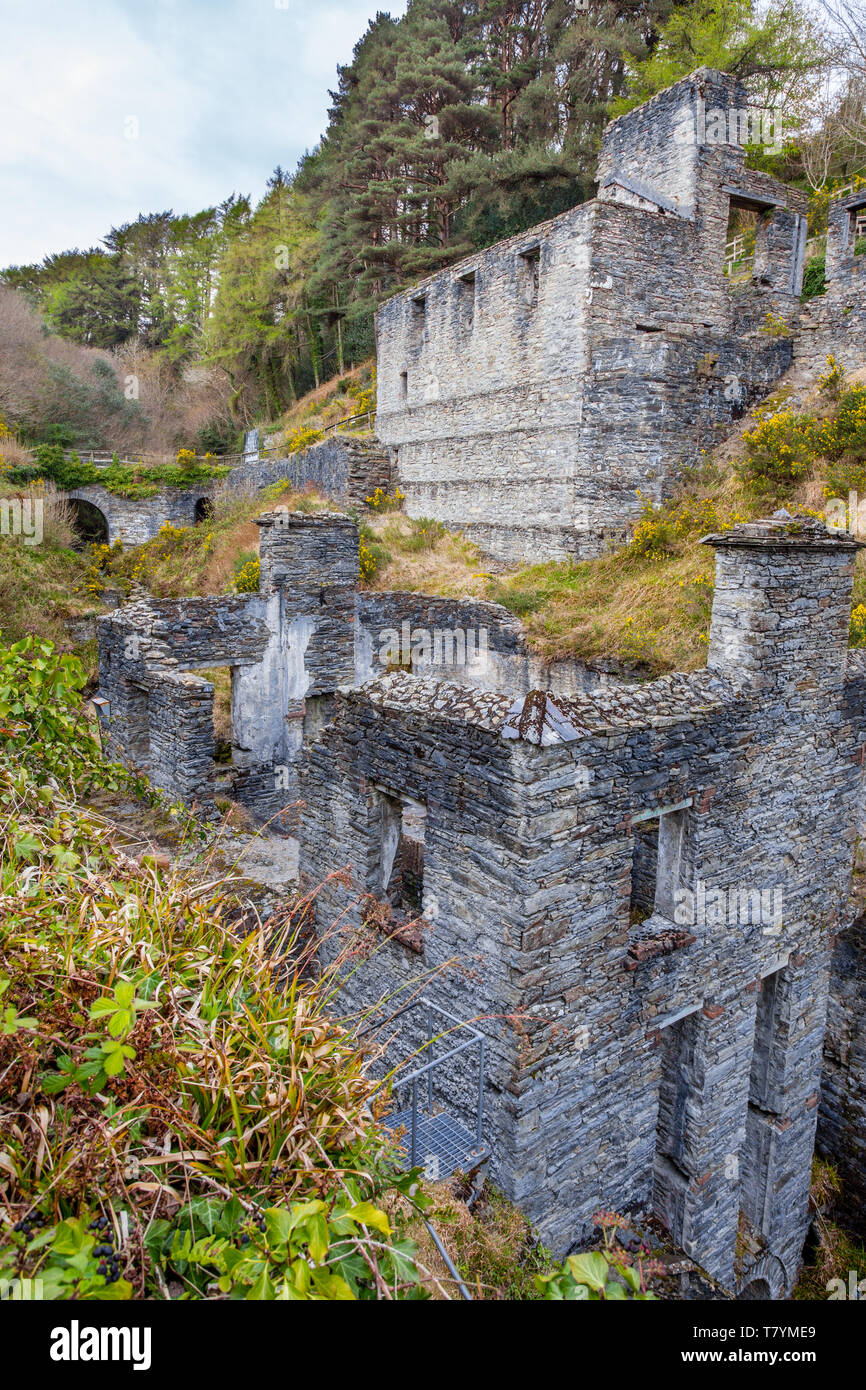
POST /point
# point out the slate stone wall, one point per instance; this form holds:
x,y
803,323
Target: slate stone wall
x,y
835,322
676,1062
292,642
137,520
345,468
464,640
842,1115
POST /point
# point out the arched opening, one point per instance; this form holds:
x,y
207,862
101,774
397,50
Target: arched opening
x,y
91,525
203,509
757,1289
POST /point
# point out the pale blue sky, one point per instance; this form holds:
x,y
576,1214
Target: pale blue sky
x,y
221,91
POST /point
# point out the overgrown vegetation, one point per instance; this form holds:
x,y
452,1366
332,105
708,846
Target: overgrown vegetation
x,y
181,1116
124,480
182,561
833,1253
57,391
785,447
178,1111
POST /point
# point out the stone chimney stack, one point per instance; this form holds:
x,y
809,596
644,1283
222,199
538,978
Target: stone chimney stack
x,y
782,605
311,561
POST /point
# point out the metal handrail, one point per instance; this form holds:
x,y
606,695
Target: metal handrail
x,y
348,419
102,458
427,1068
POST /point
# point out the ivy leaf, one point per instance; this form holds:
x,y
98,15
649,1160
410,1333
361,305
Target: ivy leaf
x,y
318,1238
369,1215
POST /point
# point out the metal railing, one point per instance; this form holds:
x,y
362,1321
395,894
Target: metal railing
x,y
426,1072
103,458
368,415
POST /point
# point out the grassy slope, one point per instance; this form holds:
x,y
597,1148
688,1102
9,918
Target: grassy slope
x,y
332,401
43,590
649,613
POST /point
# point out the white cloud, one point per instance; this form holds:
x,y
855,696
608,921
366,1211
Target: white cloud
x,y
222,92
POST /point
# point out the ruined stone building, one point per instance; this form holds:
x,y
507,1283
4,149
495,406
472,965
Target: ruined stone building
x,y
532,390
638,893
569,853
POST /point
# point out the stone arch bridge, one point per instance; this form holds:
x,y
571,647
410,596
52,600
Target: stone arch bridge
x,y
103,516
347,468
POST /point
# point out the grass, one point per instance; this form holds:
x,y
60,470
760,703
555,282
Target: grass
x,y
493,1246
424,556
836,1251
42,591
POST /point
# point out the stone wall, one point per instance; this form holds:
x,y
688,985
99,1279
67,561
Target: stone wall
x,y
137,520
835,322
342,467
675,1062
286,646
464,640
842,1115
346,468
307,632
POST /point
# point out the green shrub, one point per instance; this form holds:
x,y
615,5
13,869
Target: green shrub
x,y
42,725
247,573
814,282
425,534
143,1023
610,1273
780,451
372,555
